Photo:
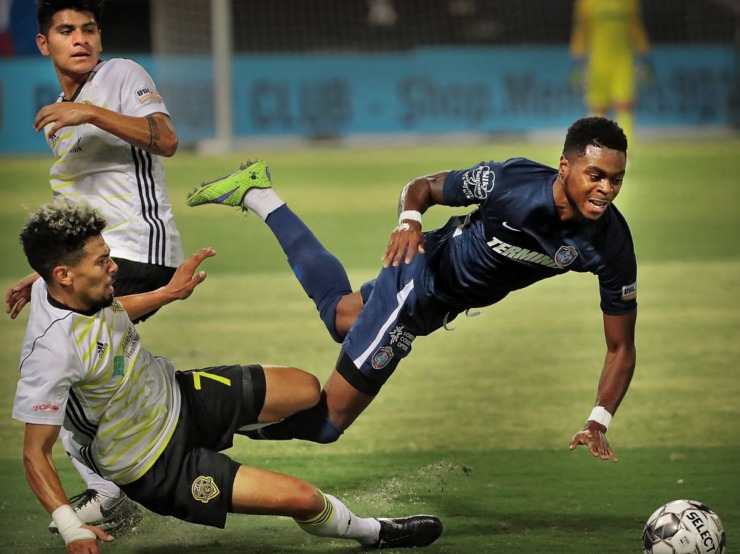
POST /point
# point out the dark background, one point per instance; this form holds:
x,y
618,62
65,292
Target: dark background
x,y
296,25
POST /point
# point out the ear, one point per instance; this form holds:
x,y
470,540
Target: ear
x,y
563,166
42,44
62,275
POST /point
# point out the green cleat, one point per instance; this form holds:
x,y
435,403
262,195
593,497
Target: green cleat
x,y
230,190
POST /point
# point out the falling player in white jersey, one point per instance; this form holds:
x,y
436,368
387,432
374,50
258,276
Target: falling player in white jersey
x,y
155,431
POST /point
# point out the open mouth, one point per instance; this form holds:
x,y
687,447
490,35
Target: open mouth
x,y
598,205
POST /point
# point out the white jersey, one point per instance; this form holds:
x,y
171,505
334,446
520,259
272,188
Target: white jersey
x,y
126,183
90,373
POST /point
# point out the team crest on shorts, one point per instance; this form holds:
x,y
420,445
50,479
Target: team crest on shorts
x,y
565,255
204,489
382,357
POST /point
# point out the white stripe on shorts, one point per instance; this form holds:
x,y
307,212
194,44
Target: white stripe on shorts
x,y
400,299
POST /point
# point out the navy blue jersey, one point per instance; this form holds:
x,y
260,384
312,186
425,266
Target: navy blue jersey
x,y
515,238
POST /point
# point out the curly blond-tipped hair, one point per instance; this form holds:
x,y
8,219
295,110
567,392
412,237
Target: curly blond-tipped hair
x,y
56,234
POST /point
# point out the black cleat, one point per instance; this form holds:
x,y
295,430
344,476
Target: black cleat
x,y
408,532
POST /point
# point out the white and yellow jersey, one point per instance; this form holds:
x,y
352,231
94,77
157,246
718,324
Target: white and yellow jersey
x,y
126,183
90,373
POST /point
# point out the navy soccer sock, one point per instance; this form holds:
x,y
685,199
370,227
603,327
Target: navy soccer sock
x,y
309,425
319,272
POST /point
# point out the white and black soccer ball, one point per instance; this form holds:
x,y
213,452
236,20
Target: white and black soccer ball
x,y
684,527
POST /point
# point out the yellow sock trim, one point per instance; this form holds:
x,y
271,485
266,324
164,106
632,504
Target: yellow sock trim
x,y
323,517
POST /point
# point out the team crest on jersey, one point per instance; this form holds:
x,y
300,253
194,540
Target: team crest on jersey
x,y
382,357
478,182
204,489
565,255
146,94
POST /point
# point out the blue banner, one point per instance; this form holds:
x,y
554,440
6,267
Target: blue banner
x,y
445,90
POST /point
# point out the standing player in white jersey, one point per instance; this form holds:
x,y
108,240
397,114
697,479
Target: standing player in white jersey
x,y
155,431
108,130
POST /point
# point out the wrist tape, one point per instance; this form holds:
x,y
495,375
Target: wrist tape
x,y
70,525
412,215
600,415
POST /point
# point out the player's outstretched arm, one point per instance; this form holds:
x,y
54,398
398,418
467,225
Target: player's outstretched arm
x,y
19,295
153,133
416,198
180,287
615,379
44,481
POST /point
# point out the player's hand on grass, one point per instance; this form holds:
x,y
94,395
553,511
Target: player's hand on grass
x,y
406,240
89,546
593,437
62,114
19,295
185,279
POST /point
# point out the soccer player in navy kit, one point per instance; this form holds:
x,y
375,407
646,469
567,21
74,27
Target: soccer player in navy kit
x,y
531,222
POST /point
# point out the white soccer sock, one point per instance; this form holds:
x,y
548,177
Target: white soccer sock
x,y
262,202
337,521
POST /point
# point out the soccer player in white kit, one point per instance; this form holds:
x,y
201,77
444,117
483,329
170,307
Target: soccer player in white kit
x,y
156,431
108,131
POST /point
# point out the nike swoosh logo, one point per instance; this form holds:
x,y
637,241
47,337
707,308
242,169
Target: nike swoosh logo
x,y
224,196
510,228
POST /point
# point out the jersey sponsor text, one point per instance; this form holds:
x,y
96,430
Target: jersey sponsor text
x,y
521,254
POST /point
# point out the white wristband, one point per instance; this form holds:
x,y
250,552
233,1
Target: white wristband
x,y
412,215
70,525
600,415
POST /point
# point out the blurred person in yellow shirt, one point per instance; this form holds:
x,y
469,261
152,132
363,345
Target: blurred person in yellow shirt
x,y
611,54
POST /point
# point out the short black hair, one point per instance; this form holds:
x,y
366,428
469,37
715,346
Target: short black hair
x,y
594,131
48,8
57,233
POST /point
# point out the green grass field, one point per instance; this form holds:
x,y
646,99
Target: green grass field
x,y
475,425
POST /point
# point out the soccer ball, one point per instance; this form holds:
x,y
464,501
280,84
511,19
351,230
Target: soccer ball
x,y
684,527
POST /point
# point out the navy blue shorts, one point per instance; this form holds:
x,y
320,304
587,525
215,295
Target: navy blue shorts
x,y
396,311
192,480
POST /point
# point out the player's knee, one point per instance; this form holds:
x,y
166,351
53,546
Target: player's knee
x,y
309,391
343,316
306,501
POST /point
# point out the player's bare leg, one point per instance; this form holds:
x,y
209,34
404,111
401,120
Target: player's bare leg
x,y
259,491
344,402
347,311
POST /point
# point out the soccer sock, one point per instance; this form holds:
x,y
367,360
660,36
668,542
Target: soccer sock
x,y
337,521
309,425
318,271
262,201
